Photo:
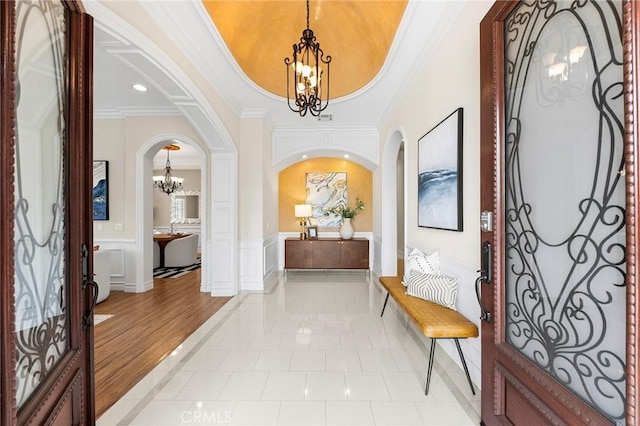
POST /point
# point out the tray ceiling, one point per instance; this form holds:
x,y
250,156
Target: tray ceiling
x,y
356,34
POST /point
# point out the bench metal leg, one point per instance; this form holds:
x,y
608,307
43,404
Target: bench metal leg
x,y
385,304
431,357
464,364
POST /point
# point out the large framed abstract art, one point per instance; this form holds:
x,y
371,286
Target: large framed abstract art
x,y
326,190
100,190
440,175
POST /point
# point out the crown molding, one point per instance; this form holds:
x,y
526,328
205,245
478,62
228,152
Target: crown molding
x,y
119,113
220,139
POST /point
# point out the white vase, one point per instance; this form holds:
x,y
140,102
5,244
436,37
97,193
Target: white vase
x,y
346,230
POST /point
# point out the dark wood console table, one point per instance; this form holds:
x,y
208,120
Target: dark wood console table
x,y
326,253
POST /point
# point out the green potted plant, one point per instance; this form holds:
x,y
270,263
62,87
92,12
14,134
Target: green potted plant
x,y
347,213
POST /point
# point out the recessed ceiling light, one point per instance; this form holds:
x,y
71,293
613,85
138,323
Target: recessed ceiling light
x,y
346,156
304,156
139,87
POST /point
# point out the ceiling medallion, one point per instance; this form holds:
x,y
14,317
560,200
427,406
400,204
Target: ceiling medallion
x,y
168,183
307,80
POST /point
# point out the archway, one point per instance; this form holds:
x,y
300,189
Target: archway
x,y
132,47
144,209
389,204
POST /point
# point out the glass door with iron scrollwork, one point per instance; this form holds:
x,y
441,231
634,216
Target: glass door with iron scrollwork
x,y
41,292
560,347
51,337
565,197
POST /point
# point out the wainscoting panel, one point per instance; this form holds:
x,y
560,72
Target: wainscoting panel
x,y
123,263
221,273
224,234
258,263
467,305
251,265
221,169
222,221
270,258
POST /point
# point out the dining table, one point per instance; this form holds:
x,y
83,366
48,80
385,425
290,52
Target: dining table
x,y
163,240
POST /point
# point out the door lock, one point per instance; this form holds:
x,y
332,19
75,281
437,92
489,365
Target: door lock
x,y
486,221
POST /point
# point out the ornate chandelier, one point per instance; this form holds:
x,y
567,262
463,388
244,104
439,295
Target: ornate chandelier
x,y
306,80
168,183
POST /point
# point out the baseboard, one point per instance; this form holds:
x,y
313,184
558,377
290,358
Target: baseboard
x,y
117,286
271,280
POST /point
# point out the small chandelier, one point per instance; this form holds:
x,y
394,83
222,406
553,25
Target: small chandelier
x,y
307,79
168,183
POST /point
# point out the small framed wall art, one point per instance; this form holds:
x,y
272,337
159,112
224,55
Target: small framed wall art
x,y
100,190
440,175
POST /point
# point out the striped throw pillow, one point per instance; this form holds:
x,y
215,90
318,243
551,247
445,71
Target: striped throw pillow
x,y
440,289
424,263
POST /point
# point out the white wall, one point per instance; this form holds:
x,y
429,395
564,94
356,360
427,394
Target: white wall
x,y
400,207
258,205
109,144
269,185
450,78
250,152
270,210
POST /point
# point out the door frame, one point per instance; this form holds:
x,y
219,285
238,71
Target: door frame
x,y
492,132
68,392
631,51
7,149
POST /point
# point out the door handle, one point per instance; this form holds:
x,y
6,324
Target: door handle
x,y
486,277
86,320
86,282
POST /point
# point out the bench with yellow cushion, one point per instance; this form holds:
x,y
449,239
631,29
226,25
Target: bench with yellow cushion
x,y
433,320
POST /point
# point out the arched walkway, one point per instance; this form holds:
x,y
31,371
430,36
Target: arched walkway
x,y
220,180
389,202
144,208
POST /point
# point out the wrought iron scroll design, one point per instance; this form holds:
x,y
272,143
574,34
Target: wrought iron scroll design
x,y
560,319
40,290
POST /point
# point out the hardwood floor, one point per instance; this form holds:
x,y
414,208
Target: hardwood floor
x,y
146,327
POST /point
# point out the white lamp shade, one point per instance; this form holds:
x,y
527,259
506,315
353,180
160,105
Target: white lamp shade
x,y
303,210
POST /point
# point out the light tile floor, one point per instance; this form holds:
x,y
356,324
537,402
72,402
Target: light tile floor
x,y
310,351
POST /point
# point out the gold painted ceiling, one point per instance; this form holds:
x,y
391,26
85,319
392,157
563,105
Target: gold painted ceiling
x,y
357,34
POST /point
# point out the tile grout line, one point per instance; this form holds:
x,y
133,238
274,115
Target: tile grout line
x,y
459,396
447,379
464,402
137,409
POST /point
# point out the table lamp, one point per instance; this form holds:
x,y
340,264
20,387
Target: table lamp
x,y
303,211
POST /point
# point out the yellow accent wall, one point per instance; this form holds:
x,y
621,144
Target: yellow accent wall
x,y
292,183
